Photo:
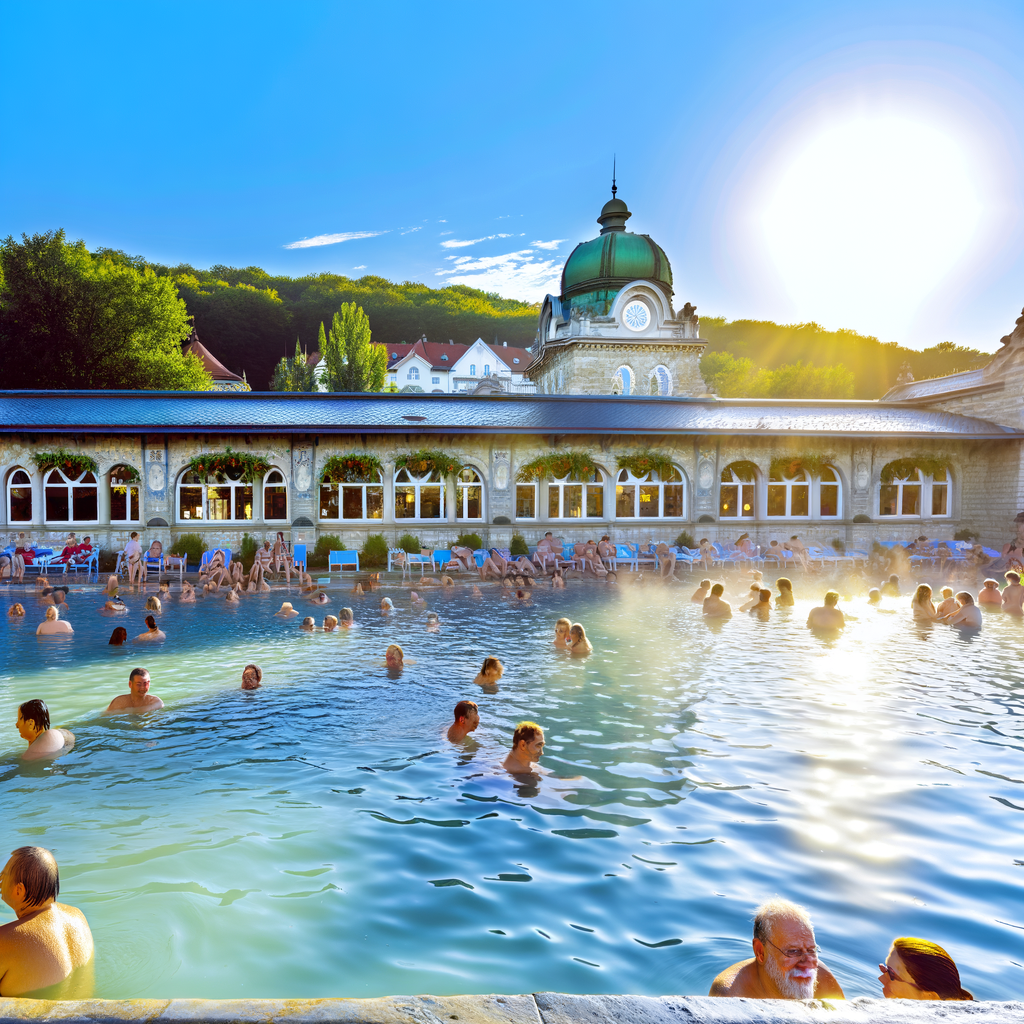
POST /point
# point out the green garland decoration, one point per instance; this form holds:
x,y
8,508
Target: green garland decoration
x,y
575,465
428,460
900,469
253,466
73,464
354,468
813,462
125,475
642,461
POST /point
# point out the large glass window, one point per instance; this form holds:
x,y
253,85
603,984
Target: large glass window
x,y
622,382
789,493
577,500
526,501
419,497
357,499
737,491
71,501
124,496
648,497
19,497
915,494
275,497
219,497
469,496
828,493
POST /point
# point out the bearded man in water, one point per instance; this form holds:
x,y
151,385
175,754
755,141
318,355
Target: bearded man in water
x,y
785,963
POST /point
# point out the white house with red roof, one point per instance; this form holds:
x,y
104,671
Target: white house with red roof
x,y
438,368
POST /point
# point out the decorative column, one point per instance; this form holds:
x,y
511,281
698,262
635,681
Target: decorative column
x,y
389,492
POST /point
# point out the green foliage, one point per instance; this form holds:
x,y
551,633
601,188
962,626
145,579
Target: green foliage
x,y
354,468
901,469
575,465
518,546
294,374
428,460
69,319
123,474
730,377
642,461
191,544
353,362
252,467
73,464
789,465
375,551
325,544
965,534
470,540
247,555
875,365
407,542
685,540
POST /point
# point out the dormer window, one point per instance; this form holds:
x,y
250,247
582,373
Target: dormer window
x,y
394,355
515,360
444,358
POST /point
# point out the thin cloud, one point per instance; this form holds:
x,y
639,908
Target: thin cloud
x,y
419,227
521,275
443,233
344,236
362,266
553,244
460,243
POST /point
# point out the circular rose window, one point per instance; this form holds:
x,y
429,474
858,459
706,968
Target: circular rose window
x,y
636,316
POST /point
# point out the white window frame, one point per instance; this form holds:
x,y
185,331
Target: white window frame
x,y
71,485
536,498
741,485
406,478
267,482
365,486
818,484
413,373
206,485
927,484
622,381
800,478
664,380
11,485
626,478
560,485
129,488
435,380
462,488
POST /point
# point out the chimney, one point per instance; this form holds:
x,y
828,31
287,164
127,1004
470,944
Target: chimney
x,y
504,344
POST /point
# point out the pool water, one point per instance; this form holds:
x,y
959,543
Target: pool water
x,y
320,837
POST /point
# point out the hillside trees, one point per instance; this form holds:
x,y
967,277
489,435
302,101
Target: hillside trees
x,y
293,374
70,319
730,377
354,363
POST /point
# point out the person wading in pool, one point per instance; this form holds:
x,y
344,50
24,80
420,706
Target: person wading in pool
x,y
827,616
467,718
139,698
34,728
527,747
715,606
785,963
49,940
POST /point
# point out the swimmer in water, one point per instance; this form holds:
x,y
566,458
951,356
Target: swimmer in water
x,y
53,625
433,622
119,637
1013,595
558,580
358,589
308,624
330,623
488,676
701,592
138,699
922,605
286,611
753,597
346,617
154,632
17,611
785,598
188,593
394,657
562,627
252,677
948,605
874,596
111,587
320,598
968,614
527,748
990,594
231,597
34,727
762,610
715,606
153,604
386,606
579,645
467,718
891,587
827,616
416,599
115,606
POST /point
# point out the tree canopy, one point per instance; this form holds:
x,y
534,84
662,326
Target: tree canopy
x,y
71,319
354,363
737,378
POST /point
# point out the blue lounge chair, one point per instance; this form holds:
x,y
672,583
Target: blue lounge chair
x,y
341,559
299,557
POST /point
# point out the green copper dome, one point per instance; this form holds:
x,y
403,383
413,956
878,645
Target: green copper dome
x,y
597,269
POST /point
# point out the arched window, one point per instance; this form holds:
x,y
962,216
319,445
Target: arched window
x,y
622,382
661,381
124,495
487,369
419,497
219,497
414,373
356,499
649,497
469,495
912,493
737,491
577,499
829,493
789,492
472,369
70,501
275,497
19,497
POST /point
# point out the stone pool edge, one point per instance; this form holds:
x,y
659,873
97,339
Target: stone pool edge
x,y
541,1008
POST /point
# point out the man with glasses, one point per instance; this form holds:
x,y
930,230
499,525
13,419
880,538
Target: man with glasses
x,y
785,963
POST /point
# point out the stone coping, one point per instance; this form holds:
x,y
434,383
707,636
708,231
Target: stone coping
x,y
542,1008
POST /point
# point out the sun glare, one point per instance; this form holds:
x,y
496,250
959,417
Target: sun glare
x,y
868,219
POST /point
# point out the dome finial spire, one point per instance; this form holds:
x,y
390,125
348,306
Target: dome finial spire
x,y
614,189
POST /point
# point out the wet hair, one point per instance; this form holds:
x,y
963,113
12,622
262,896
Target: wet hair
x,y
577,631
51,612
490,665
463,708
931,968
947,591
394,649
386,604
874,595
135,672
769,913
718,589
346,615
17,610
118,637
766,596
563,622
309,621
153,603
1013,576
832,598
923,593
37,712
705,583
151,622
784,583
330,622
256,669
963,597
526,731
36,869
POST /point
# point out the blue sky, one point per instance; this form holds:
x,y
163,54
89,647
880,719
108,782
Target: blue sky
x,y
858,164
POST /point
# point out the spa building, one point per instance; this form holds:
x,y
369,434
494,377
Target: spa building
x,y
621,437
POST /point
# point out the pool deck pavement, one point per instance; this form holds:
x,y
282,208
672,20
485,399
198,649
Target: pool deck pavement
x,y
541,1008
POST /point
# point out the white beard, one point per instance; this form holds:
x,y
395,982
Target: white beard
x,y
799,987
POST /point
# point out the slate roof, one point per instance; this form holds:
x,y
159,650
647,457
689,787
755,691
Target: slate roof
x,y
934,387
118,412
432,351
213,366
